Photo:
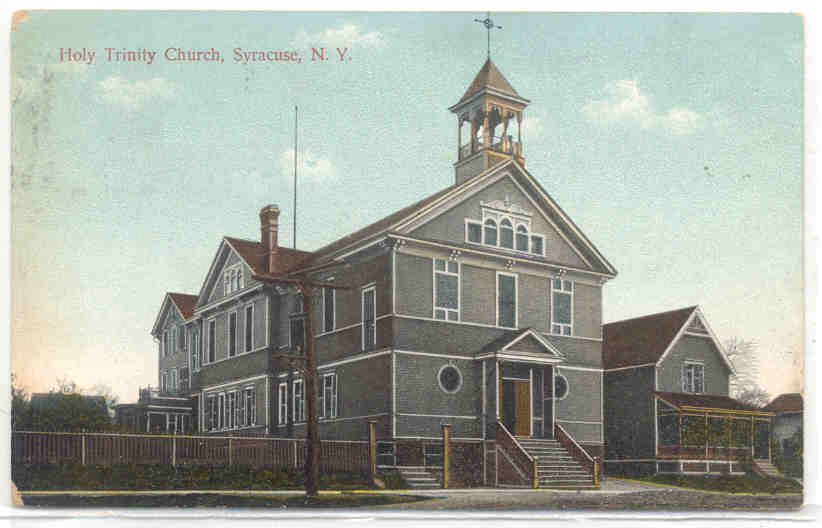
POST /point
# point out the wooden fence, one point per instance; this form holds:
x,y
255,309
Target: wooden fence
x,y
107,449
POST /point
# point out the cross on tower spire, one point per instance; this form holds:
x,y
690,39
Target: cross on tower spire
x,y
489,25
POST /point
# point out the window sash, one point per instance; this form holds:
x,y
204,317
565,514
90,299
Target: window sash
x,y
299,401
251,406
212,341
297,334
329,396
506,301
249,328
232,334
282,398
329,309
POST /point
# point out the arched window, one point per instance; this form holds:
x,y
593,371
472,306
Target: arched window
x,y
506,234
490,232
522,238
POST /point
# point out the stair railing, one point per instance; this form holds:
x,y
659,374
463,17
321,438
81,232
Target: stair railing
x,y
577,452
525,463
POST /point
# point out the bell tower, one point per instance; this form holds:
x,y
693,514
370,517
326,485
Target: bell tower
x,y
486,115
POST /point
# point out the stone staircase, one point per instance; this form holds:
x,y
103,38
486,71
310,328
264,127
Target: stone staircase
x,y
418,477
555,466
766,469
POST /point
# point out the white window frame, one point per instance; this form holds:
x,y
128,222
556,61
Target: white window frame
x,y
517,234
333,395
233,279
246,337
691,389
562,290
468,222
333,310
221,402
513,233
435,271
251,391
298,404
228,340
172,380
282,403
173,340
213,413
164,381
231,410
496,227
164,346
210,342
516,298
194,344
241,419
363,293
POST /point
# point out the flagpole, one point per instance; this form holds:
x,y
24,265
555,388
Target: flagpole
x,y
294,220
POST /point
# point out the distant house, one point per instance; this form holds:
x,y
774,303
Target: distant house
x,y
667,407
787,409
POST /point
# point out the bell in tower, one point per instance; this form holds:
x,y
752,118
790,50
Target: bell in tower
x,y
486,115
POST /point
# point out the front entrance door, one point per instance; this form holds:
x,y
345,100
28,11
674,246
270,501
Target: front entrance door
x,y
516,406
761,439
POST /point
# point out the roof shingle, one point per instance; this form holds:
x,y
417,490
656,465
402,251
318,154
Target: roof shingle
x,y
641,340
791,402
489,77
185,303
705,401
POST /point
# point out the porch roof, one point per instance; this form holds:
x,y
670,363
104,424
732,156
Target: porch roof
x,y
521,345
709,402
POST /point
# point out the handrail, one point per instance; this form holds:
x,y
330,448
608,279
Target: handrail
x,y
509,444
516,442
578,452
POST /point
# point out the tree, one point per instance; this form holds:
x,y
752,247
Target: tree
x,y
744,385
67,408
20,409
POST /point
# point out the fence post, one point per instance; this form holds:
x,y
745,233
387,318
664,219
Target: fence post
x,y
446,454
596,471
173,451
296,461
83,448
372,447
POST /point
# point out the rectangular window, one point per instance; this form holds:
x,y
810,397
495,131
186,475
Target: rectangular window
x,y
173,341
221,411
165,344
251,406
184,379
506,300
299,401
446,286
172,383
282,398
537,243
232,334
241,409
329,315
249,328
211,413
562,307
195,350
164,382
329,399
298,335
369,318
231,409
473,232
693,378
212,341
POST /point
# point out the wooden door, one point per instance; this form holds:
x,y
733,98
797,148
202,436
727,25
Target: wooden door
x,y
522,399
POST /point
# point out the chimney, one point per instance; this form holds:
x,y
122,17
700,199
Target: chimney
x,y
269,219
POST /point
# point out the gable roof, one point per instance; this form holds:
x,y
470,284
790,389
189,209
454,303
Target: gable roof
x,y
791,402
184,302
704,401
489,76
254,255
399,218
641,340
506,343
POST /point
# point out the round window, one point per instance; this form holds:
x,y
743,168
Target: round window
x,y
560,386
450,378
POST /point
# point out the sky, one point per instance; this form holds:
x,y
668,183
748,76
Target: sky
x,y
674,141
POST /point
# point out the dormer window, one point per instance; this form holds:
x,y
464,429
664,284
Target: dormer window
x,y
490,233
506,234
522,238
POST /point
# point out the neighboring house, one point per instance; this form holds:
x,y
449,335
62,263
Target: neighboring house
x,y
787,409
667,407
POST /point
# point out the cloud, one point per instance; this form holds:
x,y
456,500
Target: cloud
x,y
624,104
116,90
311,168
344,36
531,128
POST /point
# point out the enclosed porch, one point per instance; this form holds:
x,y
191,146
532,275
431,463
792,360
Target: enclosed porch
x,y
708,434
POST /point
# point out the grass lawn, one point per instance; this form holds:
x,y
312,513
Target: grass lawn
x,y
164,477
726,483
206,500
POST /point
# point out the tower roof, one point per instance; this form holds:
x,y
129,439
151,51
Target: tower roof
x,y
489,76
